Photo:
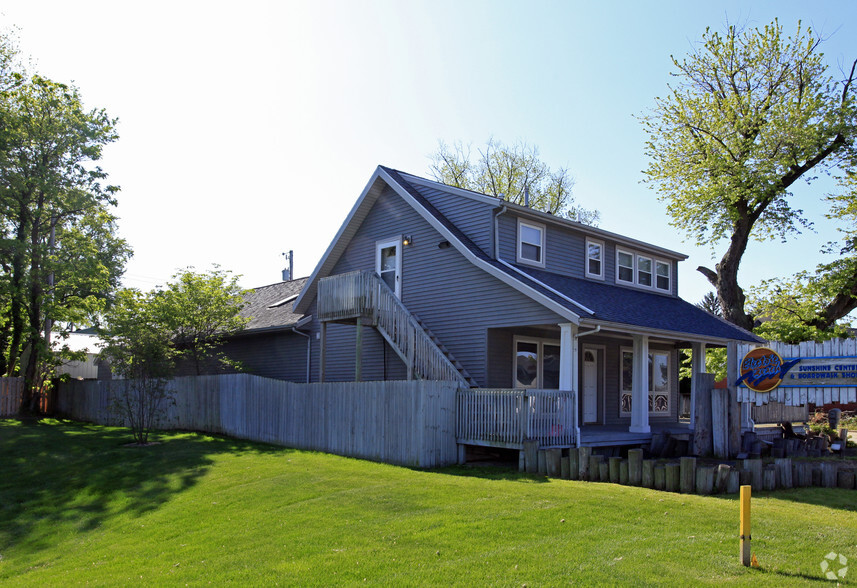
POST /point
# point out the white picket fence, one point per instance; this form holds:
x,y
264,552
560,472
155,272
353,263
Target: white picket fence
x,y
406,423
800,396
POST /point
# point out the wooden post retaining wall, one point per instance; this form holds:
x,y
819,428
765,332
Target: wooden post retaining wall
x,y
404,423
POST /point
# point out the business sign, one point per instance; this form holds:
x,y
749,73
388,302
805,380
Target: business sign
x,y
763,369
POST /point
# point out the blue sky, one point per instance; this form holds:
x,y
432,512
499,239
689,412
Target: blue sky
x,y
249,129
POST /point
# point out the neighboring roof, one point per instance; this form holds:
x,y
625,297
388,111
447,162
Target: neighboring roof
x,y
272,307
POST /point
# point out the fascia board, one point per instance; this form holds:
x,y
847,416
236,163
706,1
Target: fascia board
x,y
484,198
632,330
500,275
305,296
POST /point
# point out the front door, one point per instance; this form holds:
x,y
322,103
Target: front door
x,y
590,386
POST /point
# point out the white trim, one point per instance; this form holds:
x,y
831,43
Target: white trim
x,y
542,229
540,343
623,330
619,266
635,271
546,287
668,265
382,244
601,260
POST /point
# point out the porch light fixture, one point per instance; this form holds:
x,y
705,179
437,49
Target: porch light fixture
x,y
407,240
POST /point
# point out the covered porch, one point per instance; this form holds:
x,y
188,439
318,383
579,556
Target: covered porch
x,y
618,435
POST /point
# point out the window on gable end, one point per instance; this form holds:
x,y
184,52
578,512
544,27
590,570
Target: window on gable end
x,y
531,243
594,259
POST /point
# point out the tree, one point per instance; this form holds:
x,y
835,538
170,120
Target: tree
x,y
138,348
61,259
200,310
508,173
752,113
711,304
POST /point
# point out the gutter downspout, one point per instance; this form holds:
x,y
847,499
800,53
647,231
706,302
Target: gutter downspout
x,y
497,232
308,350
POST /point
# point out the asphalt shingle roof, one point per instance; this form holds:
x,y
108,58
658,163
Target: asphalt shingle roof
x,y
263,308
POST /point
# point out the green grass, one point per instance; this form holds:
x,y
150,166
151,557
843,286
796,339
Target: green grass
x,y
77,506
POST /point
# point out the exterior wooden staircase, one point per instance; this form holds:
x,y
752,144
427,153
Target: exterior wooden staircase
x,y
362,298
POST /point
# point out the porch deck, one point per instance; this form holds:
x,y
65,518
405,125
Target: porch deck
x,y
616,435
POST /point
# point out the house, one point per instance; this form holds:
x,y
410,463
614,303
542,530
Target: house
x,y
424,280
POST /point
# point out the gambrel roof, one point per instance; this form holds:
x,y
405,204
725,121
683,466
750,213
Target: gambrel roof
x,y
579,301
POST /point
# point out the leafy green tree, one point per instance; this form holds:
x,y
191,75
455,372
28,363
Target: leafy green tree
x,y
200,310
138,347
752,113
61,258
508,172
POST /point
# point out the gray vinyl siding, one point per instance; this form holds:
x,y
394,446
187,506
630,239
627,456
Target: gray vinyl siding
x,y
473,218
275,355
455,299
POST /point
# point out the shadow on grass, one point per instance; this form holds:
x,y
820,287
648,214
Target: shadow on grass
x,y
63,473
490,472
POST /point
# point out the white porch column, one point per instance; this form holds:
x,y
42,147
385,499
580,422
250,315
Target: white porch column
x,y
640,386
697,366
568,368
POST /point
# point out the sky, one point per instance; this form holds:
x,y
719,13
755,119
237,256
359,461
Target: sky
x,y
249,129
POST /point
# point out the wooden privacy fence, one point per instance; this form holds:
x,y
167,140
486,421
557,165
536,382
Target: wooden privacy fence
x,y
506,418
405,423
10,396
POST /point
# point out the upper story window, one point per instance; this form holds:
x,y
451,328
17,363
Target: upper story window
x,y
644,271
531,243
594,259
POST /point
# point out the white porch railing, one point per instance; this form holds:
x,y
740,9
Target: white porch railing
x,y
364,295
506,418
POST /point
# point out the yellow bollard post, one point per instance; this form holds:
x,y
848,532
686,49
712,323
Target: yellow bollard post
x,y
745,525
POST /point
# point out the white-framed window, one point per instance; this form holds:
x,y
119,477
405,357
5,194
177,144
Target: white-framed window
x,y
531,243
594,259
388,263
624,266
536,363
662,275
644,271
659,382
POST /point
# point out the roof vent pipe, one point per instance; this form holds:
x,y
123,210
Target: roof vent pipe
x,y
526,196
289,272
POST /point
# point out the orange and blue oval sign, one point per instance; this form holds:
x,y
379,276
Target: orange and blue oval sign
x,y
762,369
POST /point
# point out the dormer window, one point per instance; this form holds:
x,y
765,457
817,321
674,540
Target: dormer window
x,y
594,259
662,275
625,267
644,271
531,243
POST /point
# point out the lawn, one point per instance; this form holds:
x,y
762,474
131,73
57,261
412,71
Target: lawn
x,y
78,506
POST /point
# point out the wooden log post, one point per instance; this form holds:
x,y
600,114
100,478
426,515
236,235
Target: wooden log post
x,y
754,466
647,478
595,468
603,469
745,478
672,475
815,476
688,474
705,480
614,469
623,472
845,479
660,477
583,462
531,456
543,463
784,472
564,468
702,442
574,463
721,478
733,485
554,459
828,475
769,477
635,467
